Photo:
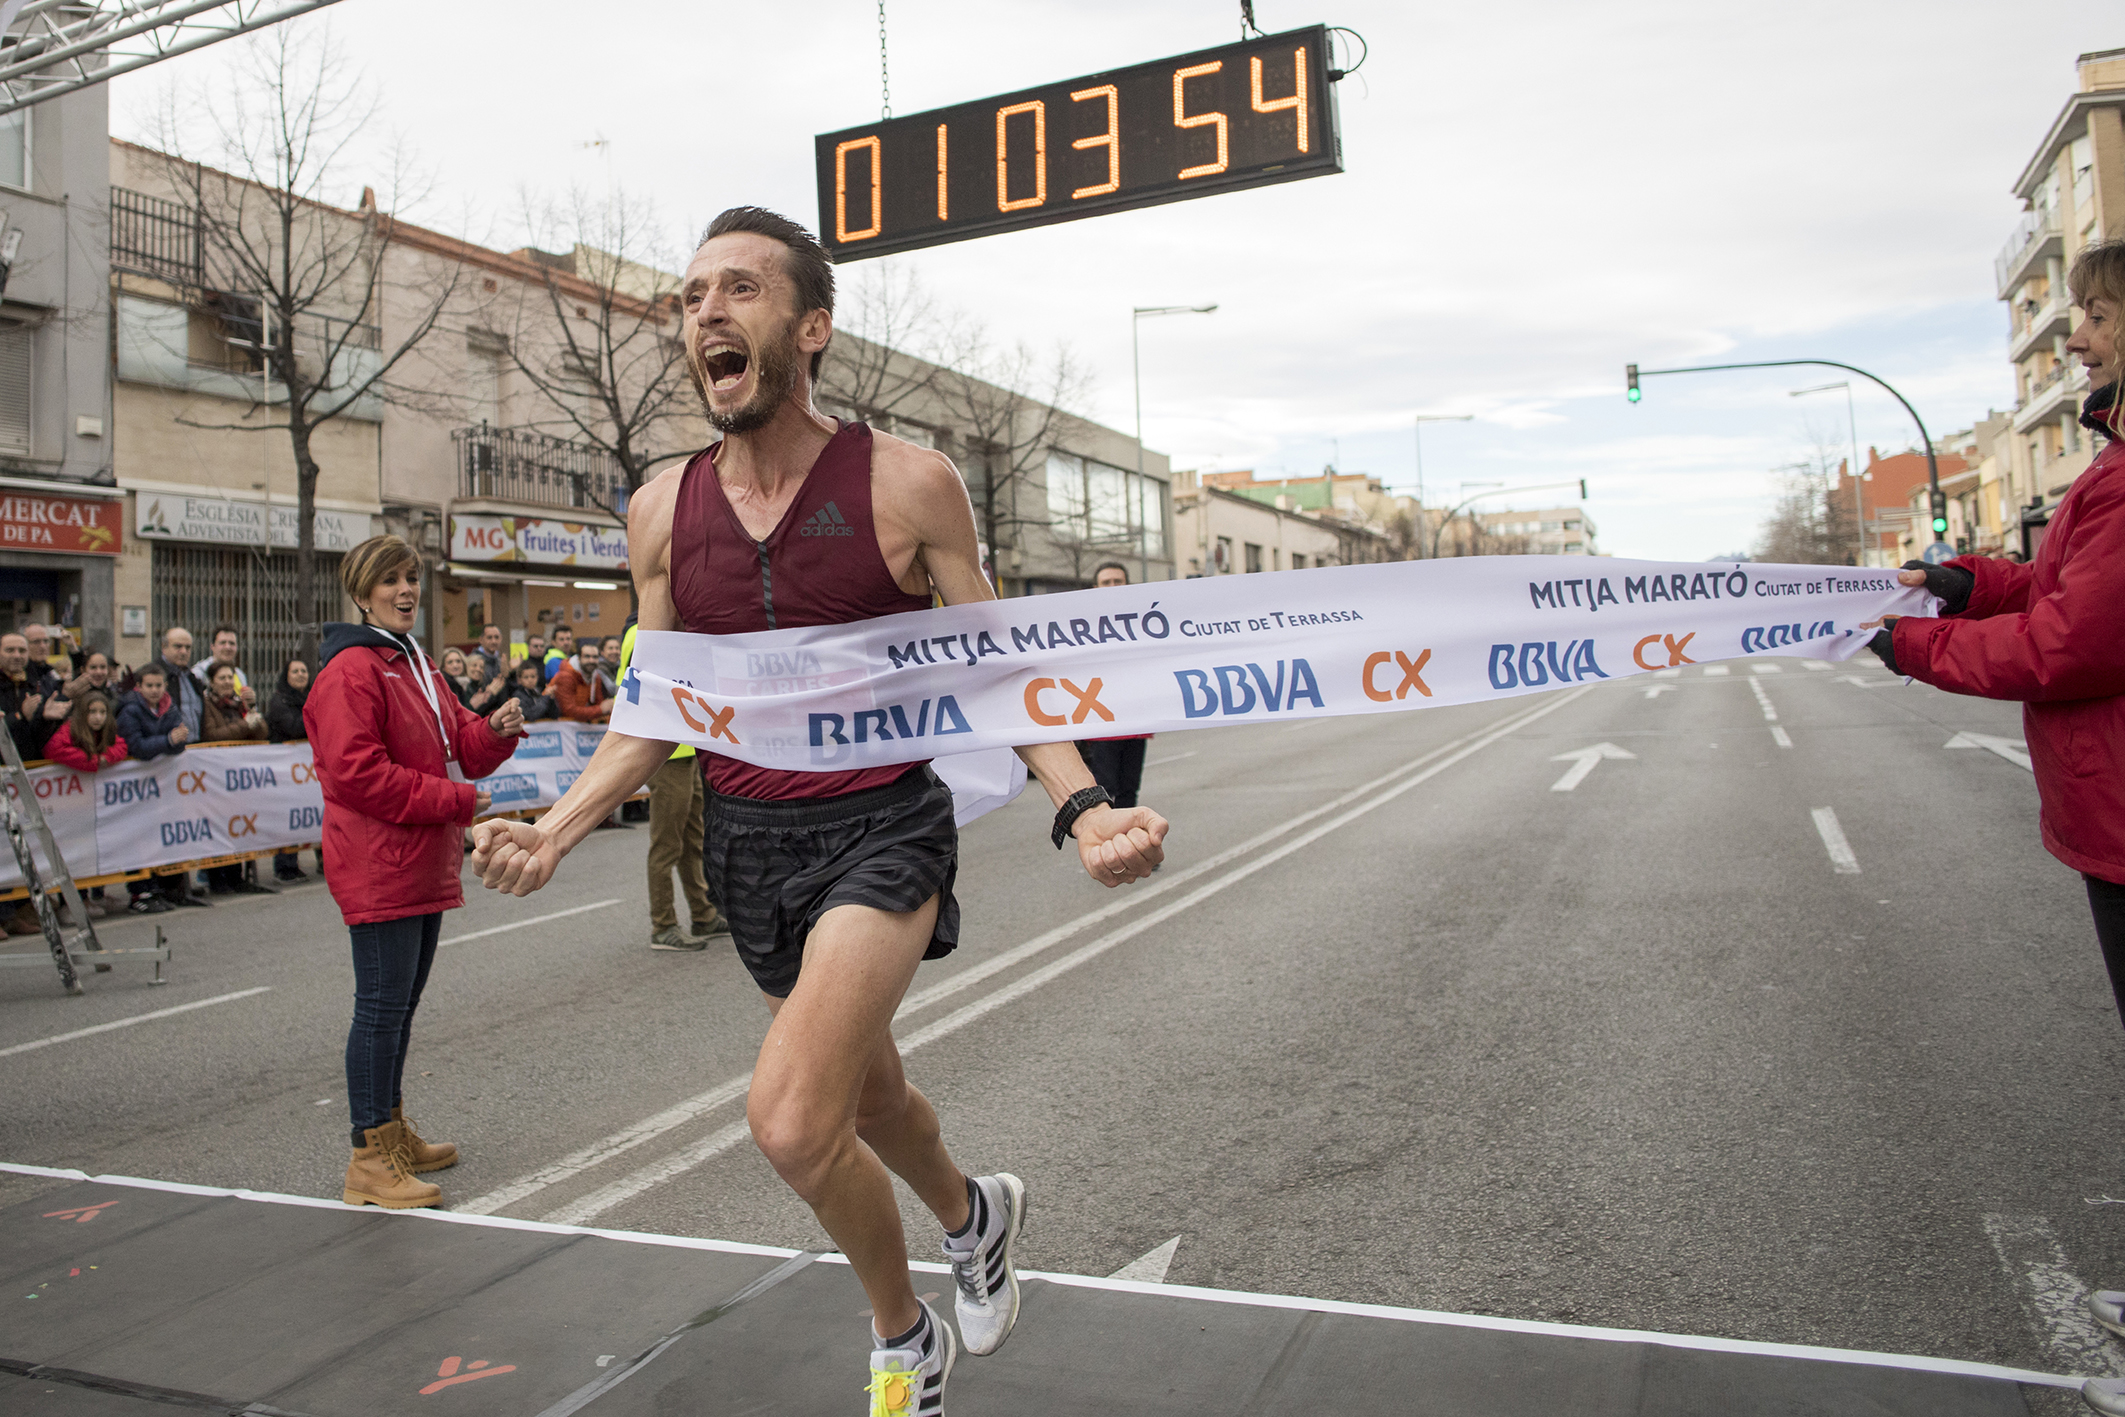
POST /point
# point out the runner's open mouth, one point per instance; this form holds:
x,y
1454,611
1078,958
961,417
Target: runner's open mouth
x,y
725,368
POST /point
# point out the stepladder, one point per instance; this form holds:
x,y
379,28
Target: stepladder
x,y
71,939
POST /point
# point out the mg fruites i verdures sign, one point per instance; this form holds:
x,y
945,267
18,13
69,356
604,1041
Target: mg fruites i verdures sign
x,y
1242,115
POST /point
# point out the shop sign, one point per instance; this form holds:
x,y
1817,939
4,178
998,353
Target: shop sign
x,y
533,541
164,516
30,522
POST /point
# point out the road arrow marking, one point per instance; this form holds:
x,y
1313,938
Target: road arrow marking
x,y
1583,761
1654,691
2014,750
1151,1267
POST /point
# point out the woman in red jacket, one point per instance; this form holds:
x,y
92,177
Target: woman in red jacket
x,y
2051,633
395,754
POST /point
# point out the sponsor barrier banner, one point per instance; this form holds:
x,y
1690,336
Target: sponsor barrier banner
x,y
215,800
1229,649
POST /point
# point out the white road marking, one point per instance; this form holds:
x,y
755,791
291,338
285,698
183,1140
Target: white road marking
x,y
1583,761
1898,1362
520,924
136,1018
1861,681
1161,762
1715,671
2056,1301
679,1114
1654,691
1833,841
1780,737
2014,750
322,1102
1817,664
1151,1266
1770,714
1765,669
658,1172
1667,674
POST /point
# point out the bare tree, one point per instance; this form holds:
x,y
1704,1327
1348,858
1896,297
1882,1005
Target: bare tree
x,y
1810,524
892,344
298,284
1008,405
599,338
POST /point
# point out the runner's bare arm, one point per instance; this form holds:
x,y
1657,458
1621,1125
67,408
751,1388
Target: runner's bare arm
x,y
519,857
924,507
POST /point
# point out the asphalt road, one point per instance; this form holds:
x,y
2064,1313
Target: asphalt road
x,y
1399,1023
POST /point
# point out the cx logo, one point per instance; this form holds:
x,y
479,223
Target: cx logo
x,y
191,782
243,825
1412,672
1087,702
303,772
1673,646
719,719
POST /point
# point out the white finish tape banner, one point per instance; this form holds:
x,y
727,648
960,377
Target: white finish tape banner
x,y
223,801
1229,649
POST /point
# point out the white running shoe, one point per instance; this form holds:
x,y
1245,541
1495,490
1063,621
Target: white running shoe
x,y
2105,1395
907,1382
987,1268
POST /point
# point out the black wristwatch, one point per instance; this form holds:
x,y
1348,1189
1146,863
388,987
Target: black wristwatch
x,y
1081,801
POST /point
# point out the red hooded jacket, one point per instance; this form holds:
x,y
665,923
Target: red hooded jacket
x,y
394,821
2052,634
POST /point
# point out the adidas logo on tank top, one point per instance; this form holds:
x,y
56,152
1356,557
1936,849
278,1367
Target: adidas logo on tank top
x,y
827,521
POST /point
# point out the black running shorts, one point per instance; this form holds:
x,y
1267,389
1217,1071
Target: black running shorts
x,y
775,867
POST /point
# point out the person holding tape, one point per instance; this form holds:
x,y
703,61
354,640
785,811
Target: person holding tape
x,y
395,755
836,884
2051,634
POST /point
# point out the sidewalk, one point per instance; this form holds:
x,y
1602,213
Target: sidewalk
x,y
135,1297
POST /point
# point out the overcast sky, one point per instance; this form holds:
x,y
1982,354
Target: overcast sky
x,y
1534,196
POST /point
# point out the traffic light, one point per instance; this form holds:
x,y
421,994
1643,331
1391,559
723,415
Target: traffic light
x,y
1630,376
1940,514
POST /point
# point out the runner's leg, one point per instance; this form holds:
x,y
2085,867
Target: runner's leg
x,y
810,1087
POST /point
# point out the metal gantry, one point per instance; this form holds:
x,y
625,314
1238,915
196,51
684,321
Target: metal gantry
x,y
54,47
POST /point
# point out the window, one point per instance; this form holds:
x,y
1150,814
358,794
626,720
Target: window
x,y
1066,493
1107,498
2082,160
1298,560
1151,513
15,343
1224,555
15,149
1254,557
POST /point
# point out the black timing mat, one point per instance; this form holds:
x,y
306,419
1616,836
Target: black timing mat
x,y
128,1298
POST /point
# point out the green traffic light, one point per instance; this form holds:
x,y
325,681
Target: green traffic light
x,y
1633,396
1940,526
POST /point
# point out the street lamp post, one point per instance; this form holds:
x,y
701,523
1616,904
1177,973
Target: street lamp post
x,y
1136,378
1632,374
1417,425
1859,498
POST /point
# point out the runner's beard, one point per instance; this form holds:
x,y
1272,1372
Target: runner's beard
x,y
774,366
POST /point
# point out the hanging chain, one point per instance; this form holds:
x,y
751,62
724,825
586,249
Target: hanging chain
x,y
885,82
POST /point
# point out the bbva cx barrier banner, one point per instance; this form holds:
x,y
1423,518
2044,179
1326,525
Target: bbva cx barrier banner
x,y
1229,649
215,800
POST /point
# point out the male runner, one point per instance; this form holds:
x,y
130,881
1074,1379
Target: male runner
x,y
835,884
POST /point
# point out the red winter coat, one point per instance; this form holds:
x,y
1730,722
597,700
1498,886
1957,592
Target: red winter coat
x,y
394,821
2052,634
61,749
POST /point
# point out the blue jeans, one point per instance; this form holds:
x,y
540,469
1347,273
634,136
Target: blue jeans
x,y
391,961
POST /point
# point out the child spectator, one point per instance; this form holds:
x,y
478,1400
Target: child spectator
x,y
89,738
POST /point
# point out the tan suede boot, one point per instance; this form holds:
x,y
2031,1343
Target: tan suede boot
x,y
379,1173
423,1155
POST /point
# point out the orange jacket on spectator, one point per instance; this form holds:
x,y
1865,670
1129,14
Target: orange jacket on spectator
x,y
577,699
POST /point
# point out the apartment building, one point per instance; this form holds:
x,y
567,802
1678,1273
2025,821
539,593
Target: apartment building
x,y
2073,194
62,528
1548,531
1222,530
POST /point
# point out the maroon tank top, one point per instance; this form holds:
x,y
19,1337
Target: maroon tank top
x,y
820,566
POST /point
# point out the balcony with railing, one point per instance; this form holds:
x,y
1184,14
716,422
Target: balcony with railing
x,y
2036,237
521,465
155,237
